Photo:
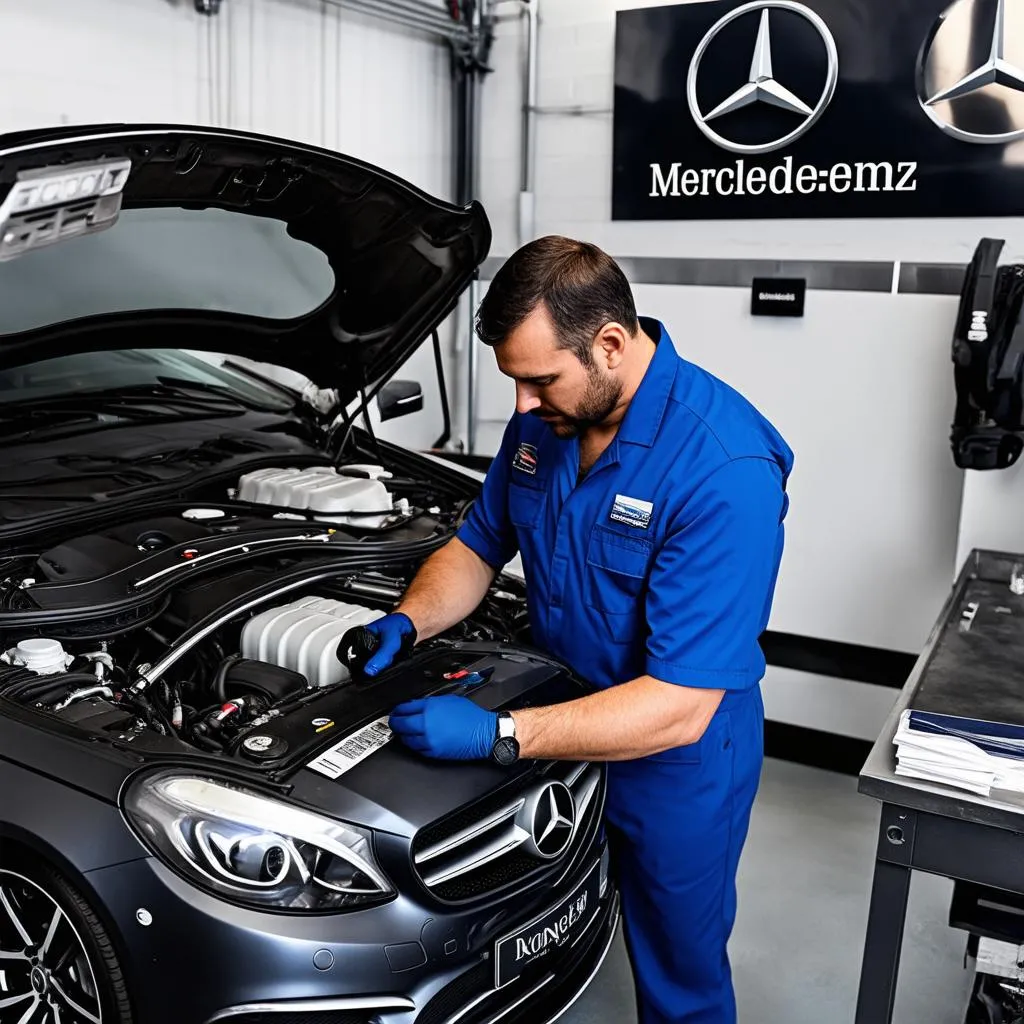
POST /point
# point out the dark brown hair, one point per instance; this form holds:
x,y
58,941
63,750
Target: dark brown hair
x,y
581,286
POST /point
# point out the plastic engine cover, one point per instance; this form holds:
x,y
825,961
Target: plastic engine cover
x,y
319,489
303,637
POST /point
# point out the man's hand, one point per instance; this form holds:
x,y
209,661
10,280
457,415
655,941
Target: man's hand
x,y
448,727
374,647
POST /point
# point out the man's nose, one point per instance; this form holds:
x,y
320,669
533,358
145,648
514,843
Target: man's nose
x,y
526,399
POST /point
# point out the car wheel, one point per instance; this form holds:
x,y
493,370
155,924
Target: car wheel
x,y
57,963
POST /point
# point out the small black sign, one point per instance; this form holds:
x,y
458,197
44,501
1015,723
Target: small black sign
x,y
777,296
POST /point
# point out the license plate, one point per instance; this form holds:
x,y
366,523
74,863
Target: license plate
x,y
557,928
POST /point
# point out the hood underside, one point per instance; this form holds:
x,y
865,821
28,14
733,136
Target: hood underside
x,y
224,242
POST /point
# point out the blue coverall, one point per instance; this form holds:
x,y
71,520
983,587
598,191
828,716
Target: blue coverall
x,y
661,561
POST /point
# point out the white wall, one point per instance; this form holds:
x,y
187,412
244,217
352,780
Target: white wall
x,y
993,512
303,69
861,387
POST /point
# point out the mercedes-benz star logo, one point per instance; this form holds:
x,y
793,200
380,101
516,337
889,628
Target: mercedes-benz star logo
x,y
989,122
549,816
761,85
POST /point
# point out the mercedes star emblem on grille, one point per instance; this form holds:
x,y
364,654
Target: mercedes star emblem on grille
x,y
972,107
762,86
549,816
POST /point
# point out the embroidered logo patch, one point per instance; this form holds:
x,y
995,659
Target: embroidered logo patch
x,y
632,511
525,459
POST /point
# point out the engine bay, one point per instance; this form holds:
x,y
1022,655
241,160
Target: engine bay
x,y
210,688
200,626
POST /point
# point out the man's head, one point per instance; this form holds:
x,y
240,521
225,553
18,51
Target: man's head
x,y
561,318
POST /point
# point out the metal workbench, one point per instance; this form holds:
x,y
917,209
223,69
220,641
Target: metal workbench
x,y
974,661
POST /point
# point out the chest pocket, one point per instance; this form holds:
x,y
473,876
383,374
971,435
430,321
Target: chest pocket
x,y
616,575
525,505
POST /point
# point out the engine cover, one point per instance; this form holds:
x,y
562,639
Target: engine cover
x,y
303,637
322,490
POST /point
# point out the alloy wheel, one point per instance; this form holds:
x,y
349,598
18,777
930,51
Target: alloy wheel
x,y
45,973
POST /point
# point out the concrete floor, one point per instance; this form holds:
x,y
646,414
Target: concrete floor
x,y
804,884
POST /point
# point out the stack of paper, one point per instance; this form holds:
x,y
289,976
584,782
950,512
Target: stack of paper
x,y
961,752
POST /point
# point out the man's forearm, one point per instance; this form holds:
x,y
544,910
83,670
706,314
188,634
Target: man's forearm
x,y
448,588
642,717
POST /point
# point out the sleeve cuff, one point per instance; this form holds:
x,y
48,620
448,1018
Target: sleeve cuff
x,y
705,679
476,542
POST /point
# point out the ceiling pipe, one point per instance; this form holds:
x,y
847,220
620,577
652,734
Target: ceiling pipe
x,y
409,14
530,13
527,197
469,68
467,181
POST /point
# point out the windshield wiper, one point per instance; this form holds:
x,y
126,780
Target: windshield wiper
x,y
168,393
73,416
188,388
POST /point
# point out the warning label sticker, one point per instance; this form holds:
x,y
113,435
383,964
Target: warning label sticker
x,y
347,753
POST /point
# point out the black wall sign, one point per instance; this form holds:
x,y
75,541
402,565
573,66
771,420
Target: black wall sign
x,y
777,296
819,108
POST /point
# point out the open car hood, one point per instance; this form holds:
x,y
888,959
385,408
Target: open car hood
x,y
179,237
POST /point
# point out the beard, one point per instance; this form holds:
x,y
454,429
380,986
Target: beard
x,y
596,404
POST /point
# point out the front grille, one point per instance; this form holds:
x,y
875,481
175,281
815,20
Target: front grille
x,y
453,997
479,851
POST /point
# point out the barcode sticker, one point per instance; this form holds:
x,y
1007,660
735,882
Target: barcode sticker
x,y
347,753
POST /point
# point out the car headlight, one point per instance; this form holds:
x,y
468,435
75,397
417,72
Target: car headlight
x,y
252,848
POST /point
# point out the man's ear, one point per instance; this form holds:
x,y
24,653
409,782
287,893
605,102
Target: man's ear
x,y
610,345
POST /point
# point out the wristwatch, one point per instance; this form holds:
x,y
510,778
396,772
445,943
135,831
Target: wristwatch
x,y
506,747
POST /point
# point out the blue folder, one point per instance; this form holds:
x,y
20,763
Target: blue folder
x,y
993,737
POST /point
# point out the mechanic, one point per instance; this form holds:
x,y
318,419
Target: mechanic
x,y
647,500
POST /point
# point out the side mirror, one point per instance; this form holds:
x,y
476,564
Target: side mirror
x,y
399,398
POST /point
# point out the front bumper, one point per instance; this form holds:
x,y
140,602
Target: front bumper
x,y
201,961
536,998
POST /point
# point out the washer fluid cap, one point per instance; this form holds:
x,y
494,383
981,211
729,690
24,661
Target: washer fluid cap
x,y
203,513
39,655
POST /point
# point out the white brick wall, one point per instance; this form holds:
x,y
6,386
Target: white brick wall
x,y
304,69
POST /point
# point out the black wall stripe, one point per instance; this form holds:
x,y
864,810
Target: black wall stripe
x,y
815,748
834,275
843,661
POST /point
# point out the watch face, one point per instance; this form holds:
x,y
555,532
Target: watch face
x,y
506,750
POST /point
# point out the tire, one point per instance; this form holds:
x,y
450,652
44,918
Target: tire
x,y
54,951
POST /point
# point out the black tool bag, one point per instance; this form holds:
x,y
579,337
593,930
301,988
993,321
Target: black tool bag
x,y
988,359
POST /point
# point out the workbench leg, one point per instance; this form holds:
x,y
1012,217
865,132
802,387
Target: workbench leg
x,y
882,945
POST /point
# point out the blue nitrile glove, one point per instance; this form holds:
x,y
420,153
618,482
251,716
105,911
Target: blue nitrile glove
x,y
447,727
370,649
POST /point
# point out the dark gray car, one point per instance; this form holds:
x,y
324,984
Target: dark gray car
x,y
202,816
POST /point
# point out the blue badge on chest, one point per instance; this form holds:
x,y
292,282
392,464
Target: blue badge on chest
x,y
632,511
525,459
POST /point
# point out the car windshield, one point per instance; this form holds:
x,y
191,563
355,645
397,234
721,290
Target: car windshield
x,y
167,259
99,372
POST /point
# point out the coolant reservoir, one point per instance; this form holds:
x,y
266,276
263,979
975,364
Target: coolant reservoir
x,y
45,657
321,490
